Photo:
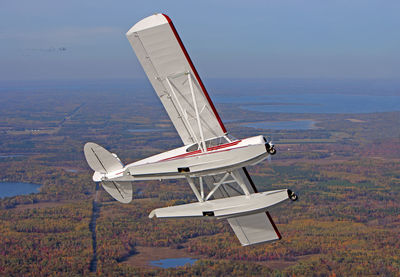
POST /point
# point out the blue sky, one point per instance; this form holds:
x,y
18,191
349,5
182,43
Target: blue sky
x,y
248,39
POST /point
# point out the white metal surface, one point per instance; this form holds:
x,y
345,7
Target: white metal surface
x,y
121,191
203,163
194,189
101,160
254,228
168,67
218,159
198,118
225,207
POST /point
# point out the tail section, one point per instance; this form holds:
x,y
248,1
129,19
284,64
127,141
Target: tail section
x,y
101,160
120,191
104,162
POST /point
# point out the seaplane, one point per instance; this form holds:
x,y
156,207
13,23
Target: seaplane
x,y
211,160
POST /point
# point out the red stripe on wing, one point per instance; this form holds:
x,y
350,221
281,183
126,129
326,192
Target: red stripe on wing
x,y
195,72
273,225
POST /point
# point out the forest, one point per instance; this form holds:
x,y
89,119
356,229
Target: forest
x,y
346,173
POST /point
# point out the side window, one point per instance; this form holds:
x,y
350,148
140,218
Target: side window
x,y
192,148
209,143
216,141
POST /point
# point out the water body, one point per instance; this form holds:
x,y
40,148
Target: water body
x,y
10,156
149,130
9,189
167,263
283,125
316,103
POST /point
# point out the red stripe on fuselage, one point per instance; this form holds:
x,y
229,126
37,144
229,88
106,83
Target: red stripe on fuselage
x,y
195,72
189,154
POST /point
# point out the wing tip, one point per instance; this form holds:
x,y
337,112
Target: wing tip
x,y
167,18
149,22
274,226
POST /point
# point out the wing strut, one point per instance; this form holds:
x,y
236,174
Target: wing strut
x,y
241,183
223,181
195,190
217,185
184,115
201,187
197,112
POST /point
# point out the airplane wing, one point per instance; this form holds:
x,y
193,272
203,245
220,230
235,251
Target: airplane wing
x,y
249,229
175,79
180,89
254,228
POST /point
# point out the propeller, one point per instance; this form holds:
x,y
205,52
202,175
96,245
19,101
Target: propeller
x,y
270,148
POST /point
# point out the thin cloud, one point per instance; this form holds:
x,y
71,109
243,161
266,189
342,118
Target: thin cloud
x,y
70,33
49,50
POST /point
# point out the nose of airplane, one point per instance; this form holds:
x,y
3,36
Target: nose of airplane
x,y
270,147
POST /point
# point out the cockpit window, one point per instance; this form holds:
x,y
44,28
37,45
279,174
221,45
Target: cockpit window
x,y
209,143
192,148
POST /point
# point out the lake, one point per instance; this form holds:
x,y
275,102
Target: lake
x,y
166,263
10,156
149,130
9,189
283,125
315,103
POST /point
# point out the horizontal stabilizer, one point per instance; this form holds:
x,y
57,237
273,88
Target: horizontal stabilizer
x,y
101,160
225,207
121,191
254,228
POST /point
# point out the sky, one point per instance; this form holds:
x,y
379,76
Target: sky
x,y
350,39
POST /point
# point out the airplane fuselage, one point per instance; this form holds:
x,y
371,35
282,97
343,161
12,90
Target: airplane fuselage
x,y
180,162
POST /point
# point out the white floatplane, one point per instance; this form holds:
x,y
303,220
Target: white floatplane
x,y
213,162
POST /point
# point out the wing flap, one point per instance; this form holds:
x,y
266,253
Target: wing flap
x,y
254,228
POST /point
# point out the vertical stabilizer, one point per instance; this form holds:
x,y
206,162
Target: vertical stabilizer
x,y
100,159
